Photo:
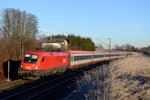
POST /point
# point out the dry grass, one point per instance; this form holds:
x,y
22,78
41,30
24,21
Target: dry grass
x,y
125,79
131,78
136,64
91,86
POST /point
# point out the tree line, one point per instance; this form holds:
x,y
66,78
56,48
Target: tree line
x,y
77,42
126,47
145,50
129,47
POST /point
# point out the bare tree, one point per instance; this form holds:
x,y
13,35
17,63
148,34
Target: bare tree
x,y
19,25
125,47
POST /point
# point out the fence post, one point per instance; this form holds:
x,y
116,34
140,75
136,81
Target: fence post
x,y
8,70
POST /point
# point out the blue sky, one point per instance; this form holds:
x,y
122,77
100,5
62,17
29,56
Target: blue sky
x,y
125,21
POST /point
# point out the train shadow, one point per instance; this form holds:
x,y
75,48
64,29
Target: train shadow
x,y
141,79
13,69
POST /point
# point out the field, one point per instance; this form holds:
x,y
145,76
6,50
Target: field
x,y
124,79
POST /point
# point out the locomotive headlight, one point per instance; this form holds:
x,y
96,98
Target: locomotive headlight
x,y
36,67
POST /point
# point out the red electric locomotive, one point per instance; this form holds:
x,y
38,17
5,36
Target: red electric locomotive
x,y
39,63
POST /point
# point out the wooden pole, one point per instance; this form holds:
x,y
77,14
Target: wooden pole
x,y
8,70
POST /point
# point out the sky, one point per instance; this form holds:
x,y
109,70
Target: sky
x,y
124,21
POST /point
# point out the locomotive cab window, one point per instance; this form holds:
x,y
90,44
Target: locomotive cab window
x,y
30,58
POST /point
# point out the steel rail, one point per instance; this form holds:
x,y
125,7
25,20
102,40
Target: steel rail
x,y
11,84
48,89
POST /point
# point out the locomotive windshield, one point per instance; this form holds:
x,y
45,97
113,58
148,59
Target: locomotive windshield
x,y
30,58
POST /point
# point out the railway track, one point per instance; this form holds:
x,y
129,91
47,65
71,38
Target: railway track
x,y
45,90
11,84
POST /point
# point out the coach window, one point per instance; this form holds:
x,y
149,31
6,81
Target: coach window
x,y
102,55
78,58
72,58
75,58
81,57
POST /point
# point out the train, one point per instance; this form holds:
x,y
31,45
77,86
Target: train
x,y
42,63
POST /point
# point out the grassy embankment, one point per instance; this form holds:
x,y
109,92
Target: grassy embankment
x,y
124,79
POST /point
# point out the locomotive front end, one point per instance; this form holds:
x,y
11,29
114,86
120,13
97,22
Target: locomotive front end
x,y
29,66
30,62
